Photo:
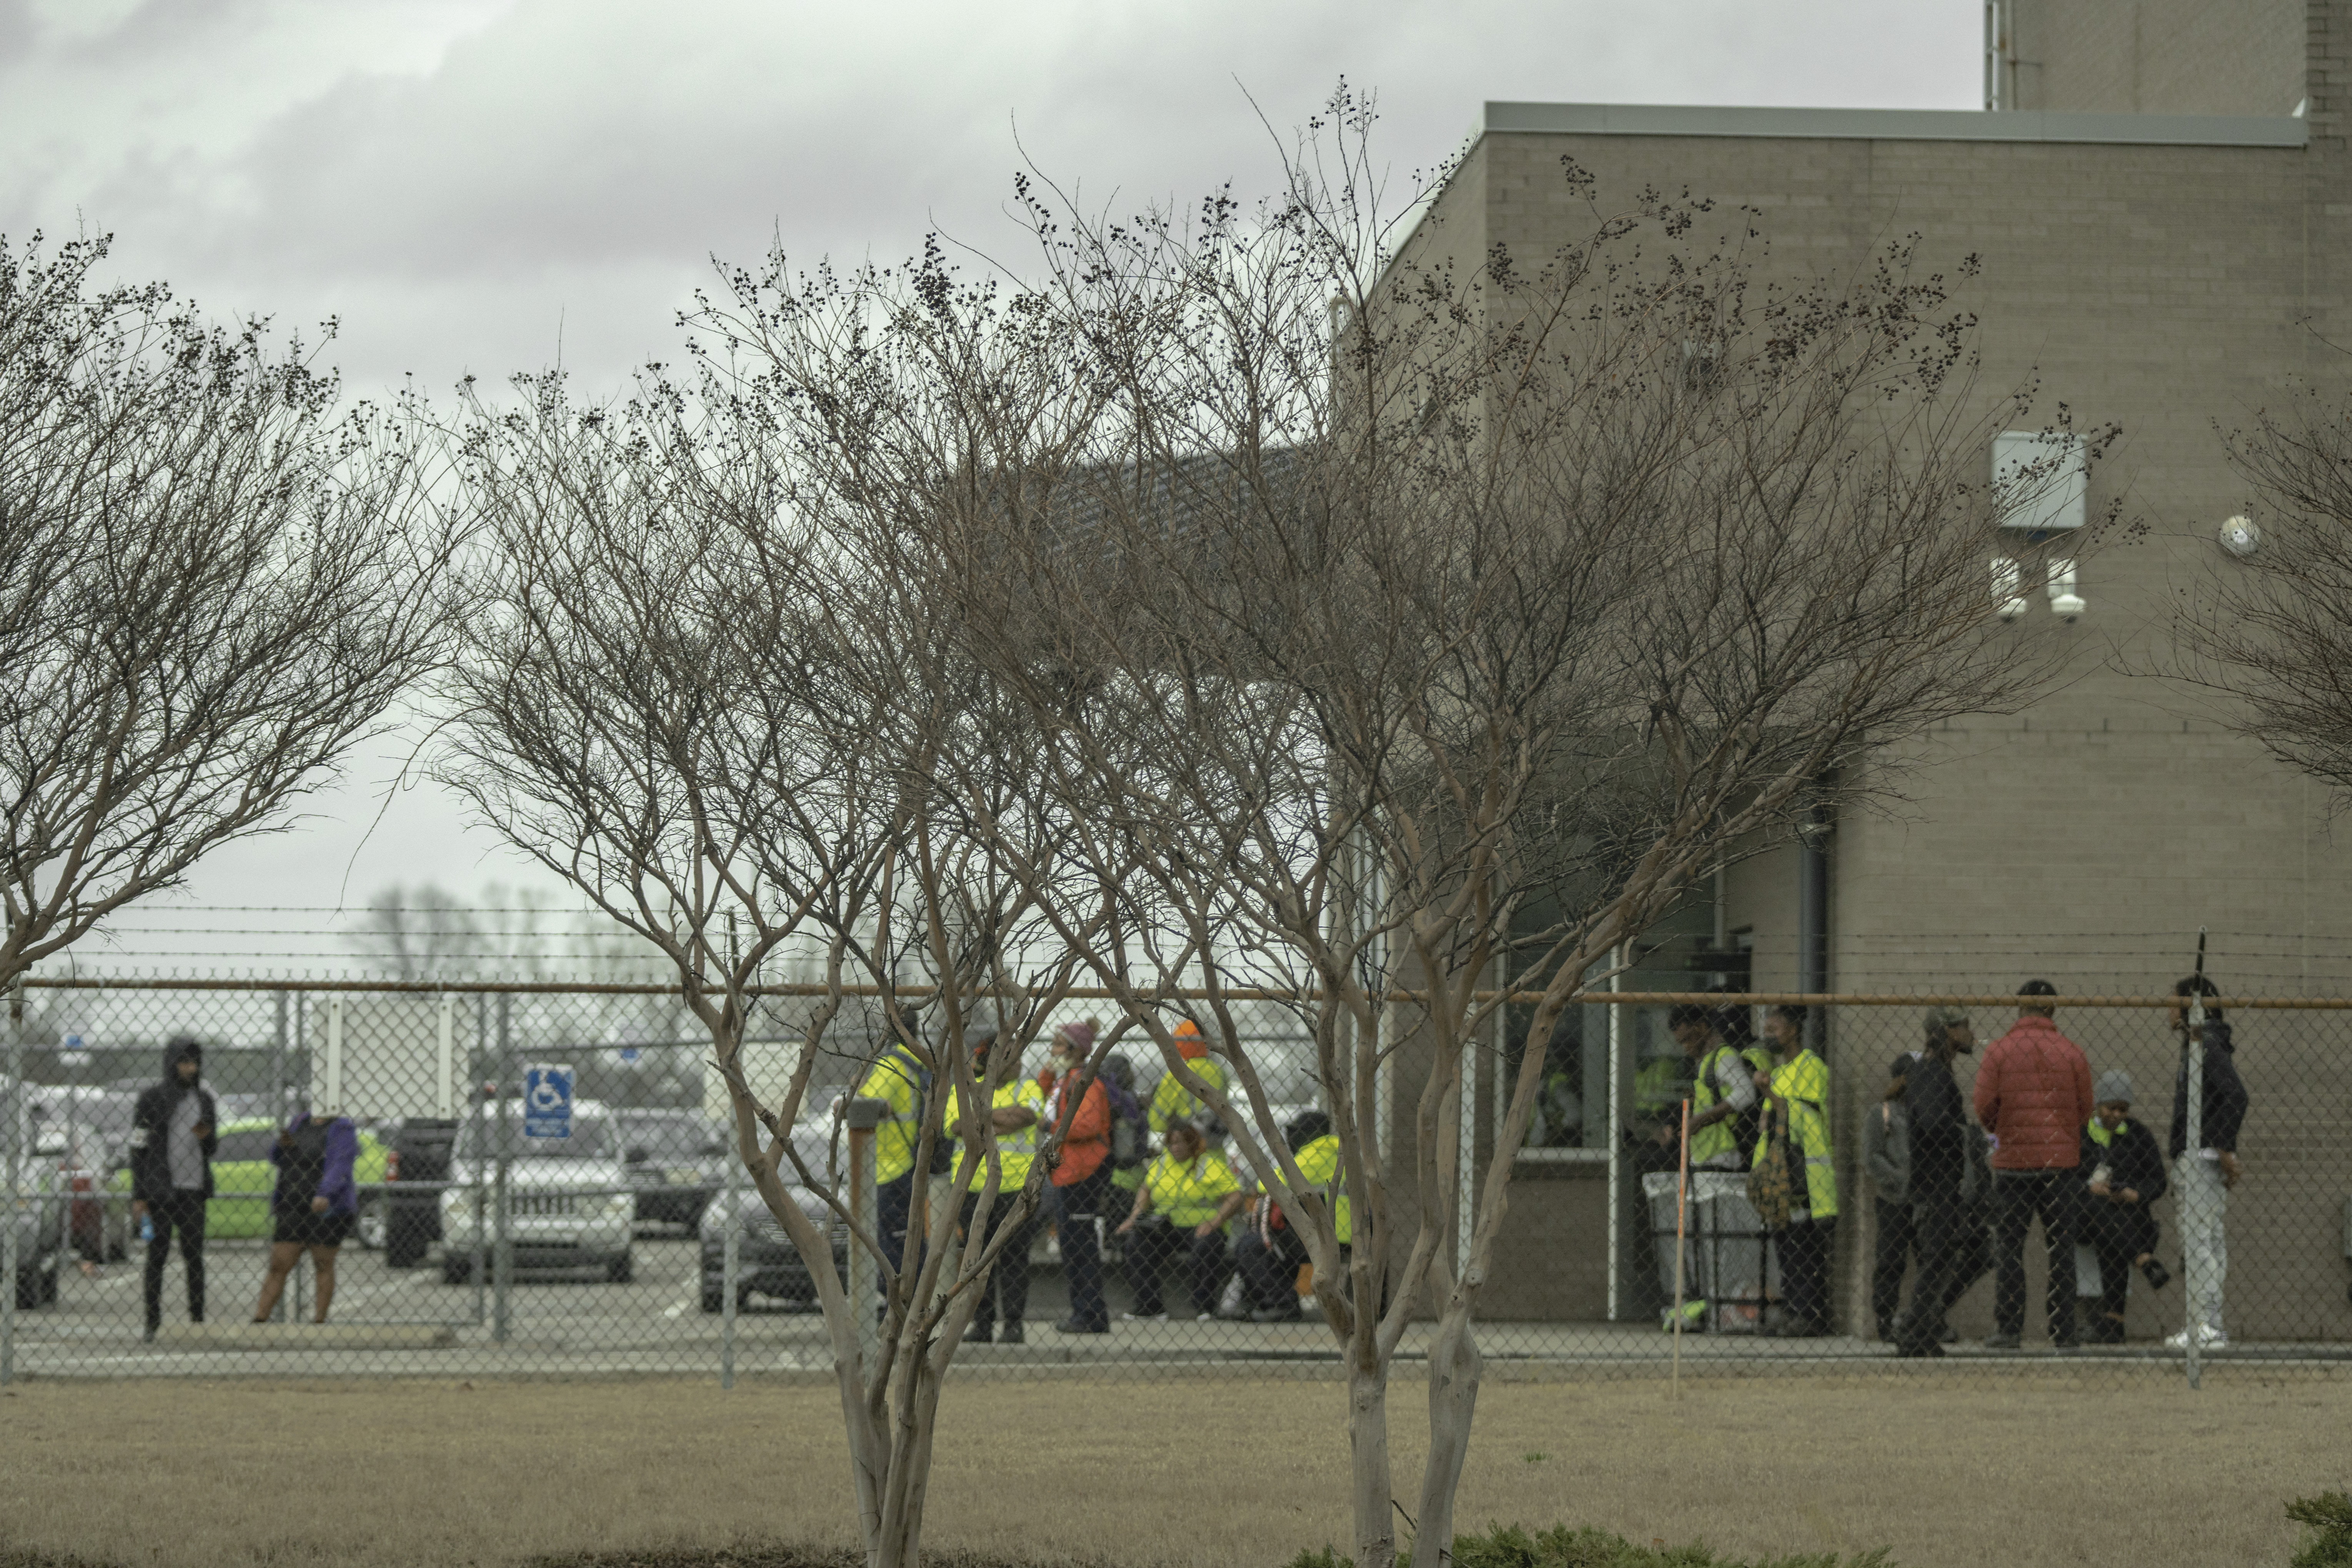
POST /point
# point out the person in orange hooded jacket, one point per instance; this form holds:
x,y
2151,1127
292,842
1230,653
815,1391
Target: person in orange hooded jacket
x,y
1081,1178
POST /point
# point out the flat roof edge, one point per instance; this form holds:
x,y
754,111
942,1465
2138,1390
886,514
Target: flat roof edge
x,y
1897,124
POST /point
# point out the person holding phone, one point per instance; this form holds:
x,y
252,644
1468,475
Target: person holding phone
x,y
171,1141
312,1208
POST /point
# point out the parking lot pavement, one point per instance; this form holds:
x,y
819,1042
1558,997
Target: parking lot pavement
x,y
408,1321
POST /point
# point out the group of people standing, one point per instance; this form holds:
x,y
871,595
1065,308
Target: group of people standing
x,y
2048,1144
313,1201
1153,1175
1961,1177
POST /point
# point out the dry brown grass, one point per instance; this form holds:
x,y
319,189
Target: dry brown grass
x,y
2008,1473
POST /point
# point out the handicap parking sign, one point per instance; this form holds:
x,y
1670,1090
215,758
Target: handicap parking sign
x,y
547,1102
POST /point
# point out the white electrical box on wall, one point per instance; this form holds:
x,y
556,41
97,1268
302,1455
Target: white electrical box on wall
x,y
2040,479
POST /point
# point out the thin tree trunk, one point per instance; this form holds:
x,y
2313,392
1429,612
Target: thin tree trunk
x,y
869,1466
1367,1448
1454,1366
900,1542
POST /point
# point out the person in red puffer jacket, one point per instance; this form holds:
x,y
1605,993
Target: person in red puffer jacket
x,y
2033,1095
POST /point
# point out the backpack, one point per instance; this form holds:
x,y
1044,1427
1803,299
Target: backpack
x,y
1131,1134
1771,1192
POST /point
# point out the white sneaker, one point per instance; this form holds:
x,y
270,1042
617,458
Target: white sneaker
x,y
1143,1316
2207,1339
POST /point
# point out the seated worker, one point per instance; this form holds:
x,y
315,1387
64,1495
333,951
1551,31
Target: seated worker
x,y
2125,1175
1269,1253
1171,1102
1187,1196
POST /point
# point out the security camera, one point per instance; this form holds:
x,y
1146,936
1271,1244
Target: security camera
x,y
2064,600
2240,537
2008,602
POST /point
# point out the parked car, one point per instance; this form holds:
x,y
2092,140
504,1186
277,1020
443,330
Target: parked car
x,y
766,1262
569,1202
676,1160
243,1179
415,1168
39,1214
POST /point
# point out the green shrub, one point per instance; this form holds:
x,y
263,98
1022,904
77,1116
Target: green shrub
x,y
1514,1546
2330,1516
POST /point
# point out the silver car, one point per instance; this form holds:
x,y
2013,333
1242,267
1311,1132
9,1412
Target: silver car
x,y
569,1201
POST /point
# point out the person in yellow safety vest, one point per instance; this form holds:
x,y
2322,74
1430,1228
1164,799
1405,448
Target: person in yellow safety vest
x,y
1188,1195
1016,1109
1269,1253
1796,1101
1171,1102
1723,1087
898,1081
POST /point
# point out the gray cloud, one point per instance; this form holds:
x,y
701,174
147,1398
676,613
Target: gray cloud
x,y
457,180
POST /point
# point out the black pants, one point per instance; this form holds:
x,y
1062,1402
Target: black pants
x,y
2018,1197
1006,1292
894,1207
1805,1268
2117,1235
1154,1244
183,1212
1951,1246
1082,1204
1269,1268
1897,1242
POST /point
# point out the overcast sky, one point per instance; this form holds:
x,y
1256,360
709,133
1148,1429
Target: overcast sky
x,y
471,185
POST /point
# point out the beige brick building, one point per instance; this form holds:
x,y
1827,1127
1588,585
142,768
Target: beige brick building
x,y
2162,200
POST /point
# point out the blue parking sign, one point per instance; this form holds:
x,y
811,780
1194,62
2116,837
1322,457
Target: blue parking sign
x,y
547,1102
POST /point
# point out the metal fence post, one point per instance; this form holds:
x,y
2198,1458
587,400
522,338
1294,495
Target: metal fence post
x,y
480,1271
728,1276
19,1117
502,1243
277,1105
865,1116
2194,1103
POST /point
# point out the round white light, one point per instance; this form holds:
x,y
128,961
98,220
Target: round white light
x,y
2240,536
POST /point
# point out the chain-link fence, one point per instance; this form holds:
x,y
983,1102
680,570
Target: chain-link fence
x,y
539,1180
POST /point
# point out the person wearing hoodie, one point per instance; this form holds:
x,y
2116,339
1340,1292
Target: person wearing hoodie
x,y
1886,1156
2203,1176
172,1136
2124,1173
1946,1160
312,1208
1081,1179
2033,1095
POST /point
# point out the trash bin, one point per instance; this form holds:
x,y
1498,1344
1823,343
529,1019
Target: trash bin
x,y
1658,1191
1737,1273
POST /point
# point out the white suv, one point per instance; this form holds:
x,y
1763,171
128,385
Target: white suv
x,y
569,1202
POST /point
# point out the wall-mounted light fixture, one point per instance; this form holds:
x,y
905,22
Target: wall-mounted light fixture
x,y
2241,538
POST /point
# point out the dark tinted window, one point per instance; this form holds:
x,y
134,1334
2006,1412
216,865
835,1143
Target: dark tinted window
x,y
253,1144
671,1137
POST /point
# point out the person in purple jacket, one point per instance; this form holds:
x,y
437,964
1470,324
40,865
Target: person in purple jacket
x,y
313,1206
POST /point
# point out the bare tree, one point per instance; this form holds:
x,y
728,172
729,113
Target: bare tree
x,y
1406,636
415,934
210,587
690,699
2270,631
